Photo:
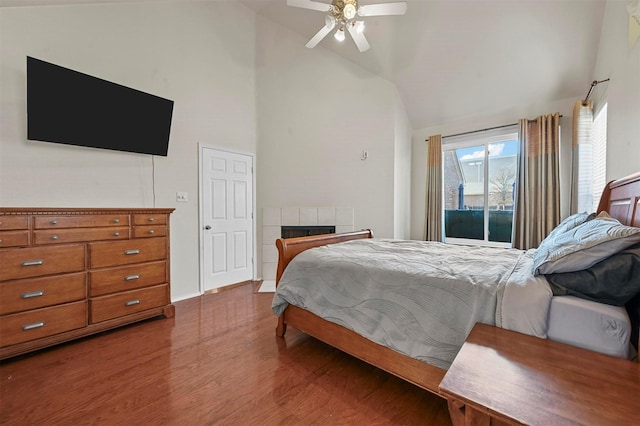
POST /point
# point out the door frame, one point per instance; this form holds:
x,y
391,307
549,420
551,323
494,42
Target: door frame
x,y
201,148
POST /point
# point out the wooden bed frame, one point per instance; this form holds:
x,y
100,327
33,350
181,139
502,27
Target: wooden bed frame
x,y
621,199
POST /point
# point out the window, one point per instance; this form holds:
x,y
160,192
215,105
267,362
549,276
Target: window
x,y
479,175
592,160
599,162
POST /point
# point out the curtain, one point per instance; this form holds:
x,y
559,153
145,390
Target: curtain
x,y
433,206
538,189
582,158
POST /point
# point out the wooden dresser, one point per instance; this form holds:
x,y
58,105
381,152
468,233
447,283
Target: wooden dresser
x,y
67,273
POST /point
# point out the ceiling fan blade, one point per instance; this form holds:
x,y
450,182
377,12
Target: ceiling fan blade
x,y
358,38
318,37
399,8
309,4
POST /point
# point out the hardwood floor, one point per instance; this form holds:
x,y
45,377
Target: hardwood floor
x,y
217,362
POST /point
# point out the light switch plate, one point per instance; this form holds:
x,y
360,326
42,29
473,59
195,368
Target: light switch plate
x,y
182,197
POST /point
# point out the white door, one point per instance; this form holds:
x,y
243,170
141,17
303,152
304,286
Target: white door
x,y
227,217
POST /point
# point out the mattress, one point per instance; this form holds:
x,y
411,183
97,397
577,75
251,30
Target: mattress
x,y
590,325
419,298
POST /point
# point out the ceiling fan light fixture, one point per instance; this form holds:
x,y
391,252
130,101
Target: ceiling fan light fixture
x,y
342,14
349,11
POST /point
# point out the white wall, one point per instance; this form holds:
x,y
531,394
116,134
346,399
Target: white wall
x,y
200,55
316,114
621,63
402,173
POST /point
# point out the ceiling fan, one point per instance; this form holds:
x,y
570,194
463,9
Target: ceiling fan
x,y
343,14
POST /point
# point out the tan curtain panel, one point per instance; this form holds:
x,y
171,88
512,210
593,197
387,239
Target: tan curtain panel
x,y
433,210
538,191
582,157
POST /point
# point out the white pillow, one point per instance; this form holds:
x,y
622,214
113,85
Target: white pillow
x,y
583,246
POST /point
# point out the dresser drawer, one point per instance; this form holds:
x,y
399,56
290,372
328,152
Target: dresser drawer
x,y
34,293
81,221
149,231
112,280
127,252
14,238
128,302
38,261
149,219
76,235
18,328
8,223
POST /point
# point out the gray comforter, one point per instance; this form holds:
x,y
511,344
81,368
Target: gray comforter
x,y
418,298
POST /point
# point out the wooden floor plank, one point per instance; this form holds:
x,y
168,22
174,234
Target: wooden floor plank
x,y
217,362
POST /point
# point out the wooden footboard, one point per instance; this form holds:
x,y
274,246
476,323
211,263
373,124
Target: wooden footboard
x,y
290,247
412,370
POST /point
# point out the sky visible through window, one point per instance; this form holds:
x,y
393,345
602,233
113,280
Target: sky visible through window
x,y
499,149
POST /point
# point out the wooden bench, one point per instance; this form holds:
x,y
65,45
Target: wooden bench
x,y
504,377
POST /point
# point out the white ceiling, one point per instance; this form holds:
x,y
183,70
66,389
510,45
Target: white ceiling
x,y
456,59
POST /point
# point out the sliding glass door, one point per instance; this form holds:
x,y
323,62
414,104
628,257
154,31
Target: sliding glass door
x,y
479,174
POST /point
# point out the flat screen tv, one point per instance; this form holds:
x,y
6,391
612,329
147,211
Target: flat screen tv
x,y
69,107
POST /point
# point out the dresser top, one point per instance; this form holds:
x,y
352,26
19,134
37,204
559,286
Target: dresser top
x,y
81,210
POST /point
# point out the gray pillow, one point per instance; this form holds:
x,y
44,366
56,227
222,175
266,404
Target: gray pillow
x,y
614,281
583,246
569,223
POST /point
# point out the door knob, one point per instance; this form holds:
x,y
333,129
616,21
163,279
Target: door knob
x,y
207,227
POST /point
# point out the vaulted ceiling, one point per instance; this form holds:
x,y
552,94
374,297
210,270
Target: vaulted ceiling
x,y
455,59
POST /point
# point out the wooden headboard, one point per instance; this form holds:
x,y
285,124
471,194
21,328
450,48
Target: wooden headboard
x,y
621,199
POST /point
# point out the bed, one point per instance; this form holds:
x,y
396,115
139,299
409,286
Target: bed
x,y
621,200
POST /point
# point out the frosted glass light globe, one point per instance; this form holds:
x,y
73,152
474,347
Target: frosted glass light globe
x,y
349,11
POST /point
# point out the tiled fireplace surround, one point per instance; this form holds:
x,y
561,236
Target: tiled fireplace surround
x,y
275,217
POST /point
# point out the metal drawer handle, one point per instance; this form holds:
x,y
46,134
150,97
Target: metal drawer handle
x,y
54,237
151,219
54,222
116,220
32,294
131,277
28,327
134,251
33,262
152,232
132,302
116,234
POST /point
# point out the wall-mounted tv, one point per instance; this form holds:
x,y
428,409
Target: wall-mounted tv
x,y
69,107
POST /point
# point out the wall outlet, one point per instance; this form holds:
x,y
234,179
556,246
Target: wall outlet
x,y
182,197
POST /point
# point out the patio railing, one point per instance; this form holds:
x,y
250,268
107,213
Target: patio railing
x,y
470,224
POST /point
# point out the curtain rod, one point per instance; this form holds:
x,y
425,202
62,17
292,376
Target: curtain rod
x,y
483,130
594,83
